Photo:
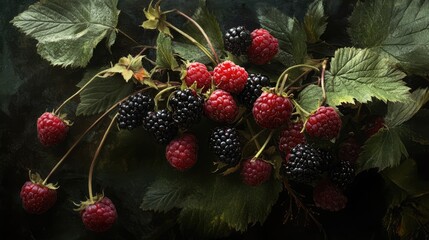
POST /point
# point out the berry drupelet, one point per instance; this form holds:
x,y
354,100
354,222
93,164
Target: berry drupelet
x,y
161,125
253,89
187,107
132,111
225,144
237,40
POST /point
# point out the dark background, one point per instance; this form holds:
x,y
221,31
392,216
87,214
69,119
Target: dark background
x,y
29,86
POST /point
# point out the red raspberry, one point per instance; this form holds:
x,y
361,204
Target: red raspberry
x,y
271,110
349,150
197,72
230,77
290,137
51,129
329,197
373,126
263,48
37,198
325,123
99,216
221,107
181,152
255,172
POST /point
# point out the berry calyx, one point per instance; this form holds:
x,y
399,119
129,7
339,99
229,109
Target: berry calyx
x,y
132,111
255,171
225,143
290,137
51,129
99,215
329,197
197,73
271,110
181,152
237,40
230,77
324,124
37,197
263,47
221,107
253,89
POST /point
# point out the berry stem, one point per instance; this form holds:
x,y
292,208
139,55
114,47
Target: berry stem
x,y
322,81
300,110
127,36
282,76
195,42
159,95
79,91
202,32
264,145
258,146
97,152
80,139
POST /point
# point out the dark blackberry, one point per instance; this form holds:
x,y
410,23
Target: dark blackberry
x,y
237,40
327,157
304,164
187,107
342,174
225,144
253,89
132,111
161,125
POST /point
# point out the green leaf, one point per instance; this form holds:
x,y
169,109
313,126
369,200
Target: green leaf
x,y
101,94
310,98
209,23
315,21
203,223
287,30
418,127
68,31
190,52
164,195
396,29
360,75
164,53
398,113
407,178
383,150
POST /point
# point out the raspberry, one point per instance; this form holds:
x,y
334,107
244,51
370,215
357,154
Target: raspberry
x,y
342,174
181,152
263,48
132,111
304,164
37,198
271,110
324,124
197,72
225,143
51,129
290,137
99,216
255,172
349,150
161,125
373,126
187,107
237,40
221,107
253,89
230,77
329,197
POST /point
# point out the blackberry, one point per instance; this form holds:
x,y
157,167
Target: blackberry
x,y
133,110
327,157
253,89
225,144
187,107
342,174
237,40
161,125
304,164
